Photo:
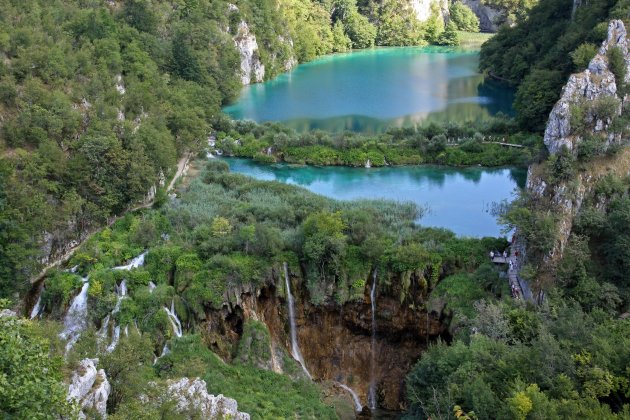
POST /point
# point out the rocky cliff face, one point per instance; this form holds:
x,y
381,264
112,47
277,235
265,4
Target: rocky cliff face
x,y
593,84
487,15
90,388
252,69
582,92
335,339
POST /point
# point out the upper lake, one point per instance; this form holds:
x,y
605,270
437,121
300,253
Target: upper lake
x,y
371,90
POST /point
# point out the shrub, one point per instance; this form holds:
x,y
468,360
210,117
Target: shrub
x,y
617,65
606,108
583,55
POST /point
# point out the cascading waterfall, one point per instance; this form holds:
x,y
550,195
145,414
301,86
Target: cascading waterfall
x,y
172,316
372,390
115,339
38,306
295,348
75,320
151,286
134,263
357,402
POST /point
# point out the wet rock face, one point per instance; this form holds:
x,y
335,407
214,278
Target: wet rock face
x,y
594,83
90,387
336,344
335,340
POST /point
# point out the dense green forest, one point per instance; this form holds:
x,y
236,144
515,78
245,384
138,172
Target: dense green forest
x,y
99,99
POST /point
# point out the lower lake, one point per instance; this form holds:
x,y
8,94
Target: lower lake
x,y
459,199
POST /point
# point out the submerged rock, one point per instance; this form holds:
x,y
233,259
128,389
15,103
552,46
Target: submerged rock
x,y
90,387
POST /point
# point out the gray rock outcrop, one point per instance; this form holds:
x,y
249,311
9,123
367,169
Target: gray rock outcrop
x,y
594,83
89,388
252,69
488,15
192,395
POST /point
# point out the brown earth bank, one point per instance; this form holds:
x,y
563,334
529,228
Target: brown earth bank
x,y
335,339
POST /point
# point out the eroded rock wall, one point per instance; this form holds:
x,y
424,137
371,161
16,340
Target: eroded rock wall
x,y
335,339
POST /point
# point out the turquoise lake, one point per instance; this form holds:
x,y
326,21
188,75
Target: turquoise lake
x,y
457,199
371,90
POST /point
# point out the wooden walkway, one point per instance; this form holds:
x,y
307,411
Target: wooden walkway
x,y
520,288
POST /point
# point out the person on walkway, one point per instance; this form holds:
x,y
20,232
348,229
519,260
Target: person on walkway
x,y
504,254
491,255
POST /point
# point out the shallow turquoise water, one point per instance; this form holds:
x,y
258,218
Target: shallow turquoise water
x,y
457,199
371,90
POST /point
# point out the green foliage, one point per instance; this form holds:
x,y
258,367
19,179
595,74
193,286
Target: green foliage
x,y
617,65
423,144
31,380
261,393
583,55
449,36
464,18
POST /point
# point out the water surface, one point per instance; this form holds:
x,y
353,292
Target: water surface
x,y
457,199
371,90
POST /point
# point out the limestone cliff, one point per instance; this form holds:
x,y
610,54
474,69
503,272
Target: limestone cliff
x,y
593,84
252,68
90,388
576,120
488,15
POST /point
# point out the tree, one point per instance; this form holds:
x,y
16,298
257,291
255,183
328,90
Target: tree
x,y
464,18
31,382
449,36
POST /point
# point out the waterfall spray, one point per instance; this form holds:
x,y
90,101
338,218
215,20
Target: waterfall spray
x,y
295,348
172,316
372,390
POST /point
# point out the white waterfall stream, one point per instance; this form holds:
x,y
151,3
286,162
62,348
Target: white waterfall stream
x,y
115,339
38,306
372,390
75,320
172,316
295,347
357,402
134,263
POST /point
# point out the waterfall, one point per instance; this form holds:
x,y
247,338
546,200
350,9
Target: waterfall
x,y
134,263
172,316
372,391
38,306
165,351
151,286
102,332
357,402
75,320
115,339
295,348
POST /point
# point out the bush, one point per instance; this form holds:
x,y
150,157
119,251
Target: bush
x,y
464,18
583,55
606,108
617,65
